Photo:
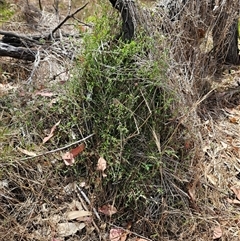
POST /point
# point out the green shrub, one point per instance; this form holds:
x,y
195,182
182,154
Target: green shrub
x,y
126,103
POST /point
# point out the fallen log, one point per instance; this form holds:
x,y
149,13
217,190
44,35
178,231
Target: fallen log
x,y
26,47
17,52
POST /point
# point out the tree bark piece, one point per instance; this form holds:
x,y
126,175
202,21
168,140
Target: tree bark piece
x,y
225,39
125,9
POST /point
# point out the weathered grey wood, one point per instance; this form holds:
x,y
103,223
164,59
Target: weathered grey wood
x,y
17,52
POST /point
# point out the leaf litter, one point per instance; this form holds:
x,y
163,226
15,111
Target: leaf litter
x,y
108,210
102,165
69,156
51,132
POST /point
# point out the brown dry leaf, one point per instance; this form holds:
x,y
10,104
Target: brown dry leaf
x,y
77,150
233,120
108,210
236,191
102,165
125,232
28,153
141,239
124,236
115,234
217,232
51,132
233,201
77,214
68,159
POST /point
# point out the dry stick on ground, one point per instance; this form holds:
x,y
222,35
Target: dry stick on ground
x,y
17,52
65,19
58,149
89,203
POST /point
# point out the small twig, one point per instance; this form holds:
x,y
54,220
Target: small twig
x,y
84,206
58,149
65,19
35,65
56,7
69,6
85,24
88,201
40,5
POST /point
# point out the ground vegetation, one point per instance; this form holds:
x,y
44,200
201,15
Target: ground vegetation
x,y
118,135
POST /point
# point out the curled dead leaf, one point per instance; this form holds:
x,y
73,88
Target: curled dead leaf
x,y
115,234
102,165
108,210
217,232
233,120
68,158
77,150
51,132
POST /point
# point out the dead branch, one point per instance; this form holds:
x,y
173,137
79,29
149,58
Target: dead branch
x,y
65,19
18,36
25,47
58,149
17,52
